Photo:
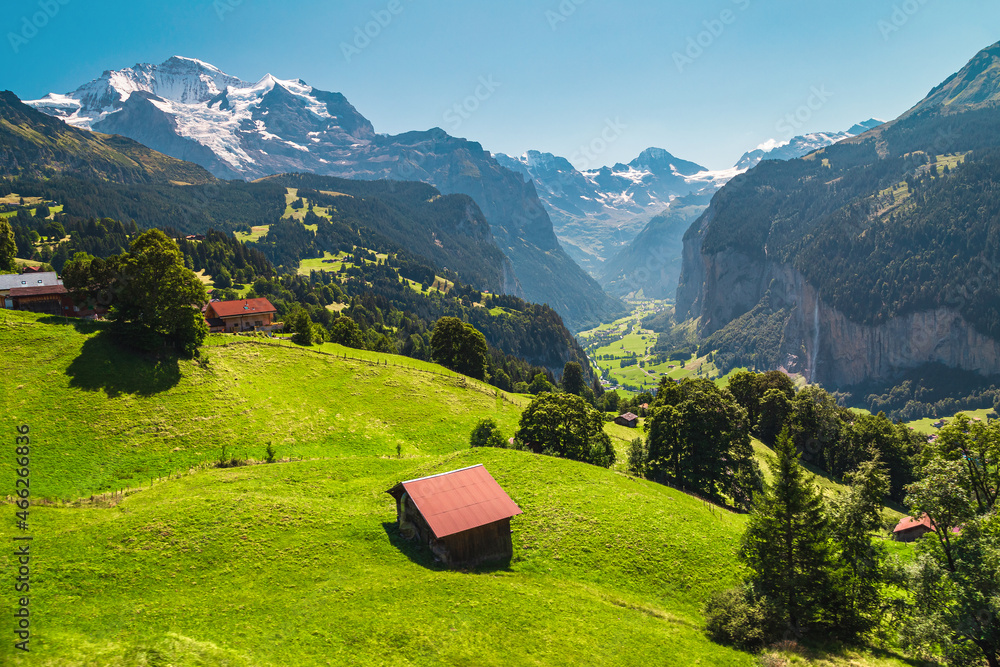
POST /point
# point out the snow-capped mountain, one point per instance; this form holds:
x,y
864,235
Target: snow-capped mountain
x,y
801,145
651,262
182,80
185,105
193,111
597,213
594,212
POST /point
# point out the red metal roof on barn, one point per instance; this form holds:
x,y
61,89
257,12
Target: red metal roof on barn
x,y
908,522
456,501
242,307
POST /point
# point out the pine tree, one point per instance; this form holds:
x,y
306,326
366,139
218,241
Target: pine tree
x,y
786,546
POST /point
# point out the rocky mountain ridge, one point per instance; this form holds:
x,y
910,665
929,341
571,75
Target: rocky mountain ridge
x,y
864,259
192,110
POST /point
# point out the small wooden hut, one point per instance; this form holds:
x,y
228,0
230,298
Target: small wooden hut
x,y
462,515
629,419
909,529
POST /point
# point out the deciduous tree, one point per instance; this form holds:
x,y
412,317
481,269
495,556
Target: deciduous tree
x,y
486,433
459,346
158,300
565,425
698,438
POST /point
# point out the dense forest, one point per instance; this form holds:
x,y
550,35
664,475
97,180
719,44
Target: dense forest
x,y
190,209
387,313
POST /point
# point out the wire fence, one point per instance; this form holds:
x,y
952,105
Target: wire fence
x,y
384,359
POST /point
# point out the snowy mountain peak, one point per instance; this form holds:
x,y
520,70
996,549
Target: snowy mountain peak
x,y
267,82
182,61
799,146
178,79
863,127
243,124
660,161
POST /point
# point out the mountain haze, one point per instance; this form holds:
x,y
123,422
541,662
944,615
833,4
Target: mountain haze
x,y
651,261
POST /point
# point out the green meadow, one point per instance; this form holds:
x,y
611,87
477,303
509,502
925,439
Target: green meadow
x,y
299,562
106,419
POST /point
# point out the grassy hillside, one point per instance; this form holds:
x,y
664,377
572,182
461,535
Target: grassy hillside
x,y
106,419
300,563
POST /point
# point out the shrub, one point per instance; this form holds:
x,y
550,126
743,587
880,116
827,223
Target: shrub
x,y
486,433
737,618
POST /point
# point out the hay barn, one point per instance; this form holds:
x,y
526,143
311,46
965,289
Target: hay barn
x,y
628,419
462,515
909,529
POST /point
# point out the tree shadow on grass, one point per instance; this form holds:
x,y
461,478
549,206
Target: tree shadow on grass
x,y
826,650
104,366
81,325
420,553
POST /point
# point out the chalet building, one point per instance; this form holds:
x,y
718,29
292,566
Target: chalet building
x,y
240,315
52,300
37,279
628,419
462,515
39,291
909,529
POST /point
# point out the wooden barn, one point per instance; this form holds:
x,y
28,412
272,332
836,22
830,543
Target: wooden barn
x,y
628,419
909,529
462,515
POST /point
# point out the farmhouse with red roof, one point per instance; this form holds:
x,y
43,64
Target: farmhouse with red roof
x,y
463,515
909,529
240,315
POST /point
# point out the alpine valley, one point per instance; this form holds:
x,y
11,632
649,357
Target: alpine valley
x,y
865,259
256,358
604,217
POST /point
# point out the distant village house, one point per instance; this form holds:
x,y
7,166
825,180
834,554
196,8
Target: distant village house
x,y
462,515
909,529
38,292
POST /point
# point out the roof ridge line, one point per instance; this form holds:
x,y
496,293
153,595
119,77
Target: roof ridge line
x,y
442,474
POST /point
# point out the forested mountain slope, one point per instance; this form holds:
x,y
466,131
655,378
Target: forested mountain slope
x,y
866,258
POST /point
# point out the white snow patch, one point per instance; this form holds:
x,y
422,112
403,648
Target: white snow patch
x,y
771,144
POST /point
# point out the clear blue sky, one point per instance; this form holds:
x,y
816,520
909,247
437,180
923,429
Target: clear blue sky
x,y
560,69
